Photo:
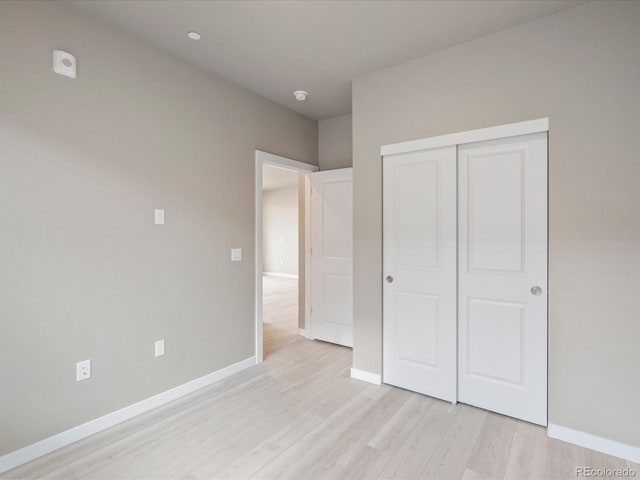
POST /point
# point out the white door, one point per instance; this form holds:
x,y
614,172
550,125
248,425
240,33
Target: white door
x,y
419,270
332,256
503,276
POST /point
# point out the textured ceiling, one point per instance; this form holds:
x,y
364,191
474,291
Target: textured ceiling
x,y
275,47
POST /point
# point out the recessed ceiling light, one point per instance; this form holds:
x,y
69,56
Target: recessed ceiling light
x,y
300,95
193,35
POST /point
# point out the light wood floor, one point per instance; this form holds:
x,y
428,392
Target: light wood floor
x,y
300,416
280,313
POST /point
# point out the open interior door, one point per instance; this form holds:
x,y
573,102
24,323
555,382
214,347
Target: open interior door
x,y
332,256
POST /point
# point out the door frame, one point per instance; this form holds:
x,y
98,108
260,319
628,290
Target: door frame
x,y
470,136
261,159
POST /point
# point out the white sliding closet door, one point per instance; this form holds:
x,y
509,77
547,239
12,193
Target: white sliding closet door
x,y
332,256
502,282
419,293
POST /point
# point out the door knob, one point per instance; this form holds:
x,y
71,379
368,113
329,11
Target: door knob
x,y
389,279
536,290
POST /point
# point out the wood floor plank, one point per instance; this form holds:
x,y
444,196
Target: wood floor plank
x,y
491,450
523,452
403,421
294,461
355,439
594,459
389,439
562,460
473,475
539,461
453,452
248,464
366,464
416,452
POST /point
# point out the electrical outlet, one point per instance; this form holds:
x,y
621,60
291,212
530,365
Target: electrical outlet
x,y
159,348
159,216
83,370
236,254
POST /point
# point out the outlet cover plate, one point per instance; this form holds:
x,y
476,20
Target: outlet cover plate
x,y
159,216
83,370
159,348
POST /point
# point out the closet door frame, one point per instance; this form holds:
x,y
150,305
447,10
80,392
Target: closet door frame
x,y
471,136
461,138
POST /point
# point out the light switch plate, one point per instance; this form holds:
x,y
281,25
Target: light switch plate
x,y
159,348
159,216
236,254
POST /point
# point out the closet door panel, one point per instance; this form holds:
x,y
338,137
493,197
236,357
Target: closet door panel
x,y
502,280
419,284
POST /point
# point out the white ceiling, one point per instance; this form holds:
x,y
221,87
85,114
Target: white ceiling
x,y
275,47
274,177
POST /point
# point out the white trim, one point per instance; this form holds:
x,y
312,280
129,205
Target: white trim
x,y
302,332
366,376
282,275
35,450
594,442
307,255
258,256
480,135
284,162
264,158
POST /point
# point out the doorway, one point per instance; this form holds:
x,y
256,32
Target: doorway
x,y
282,249
280,238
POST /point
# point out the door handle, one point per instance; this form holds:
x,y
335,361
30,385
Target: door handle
x,y
536,291
389,279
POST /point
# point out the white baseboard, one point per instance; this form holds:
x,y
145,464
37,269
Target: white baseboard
x,y
38,449
283,275
594,442
366,376
303,332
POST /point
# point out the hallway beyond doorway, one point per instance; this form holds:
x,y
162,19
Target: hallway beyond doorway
x,y
280,312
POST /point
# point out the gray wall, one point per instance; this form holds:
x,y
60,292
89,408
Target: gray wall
x,y
581,68
280,230
335,143
85,272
